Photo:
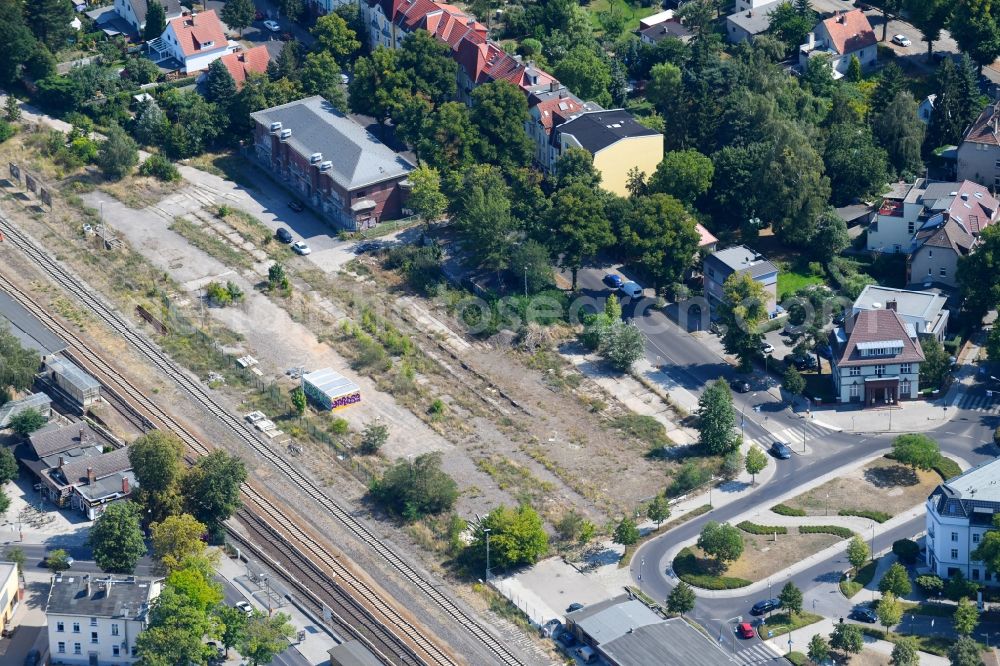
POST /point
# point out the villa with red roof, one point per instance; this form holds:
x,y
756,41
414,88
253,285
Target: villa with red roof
x,y
840,38
194,40
876,361
242,63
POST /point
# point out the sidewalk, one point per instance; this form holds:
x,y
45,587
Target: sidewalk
x,y
318,639
800,643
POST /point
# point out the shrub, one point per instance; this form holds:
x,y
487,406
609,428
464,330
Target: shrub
x,y
947,468
161,168
877,516
930,584
906,550
762,530
437,407
688,569
6,130
959,586
835,530
339,426
785,510
688,477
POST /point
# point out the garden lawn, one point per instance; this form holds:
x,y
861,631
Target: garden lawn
x,y
881,485
790,282
632,13
782,623
857,583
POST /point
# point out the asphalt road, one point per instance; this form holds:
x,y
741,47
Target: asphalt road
x,y
967,435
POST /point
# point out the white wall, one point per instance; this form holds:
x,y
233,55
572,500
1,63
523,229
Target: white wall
x,y
951,546
104,648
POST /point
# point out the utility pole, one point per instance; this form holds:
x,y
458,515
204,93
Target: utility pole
x,y
487,530
525,281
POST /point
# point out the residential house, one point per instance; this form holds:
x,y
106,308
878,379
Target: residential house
x,y
748,5
978,157
195,41
548,109
655,34
906,209
749,22
241,63
625,632
856,214
10,595
875,361
97,482
95,619
334,164
926,108
959,512
937,247
718,266
706,241
618,143
656,19
841,37
923,312
40,402
133,12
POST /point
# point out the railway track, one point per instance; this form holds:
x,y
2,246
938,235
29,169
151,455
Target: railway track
x,y
109,315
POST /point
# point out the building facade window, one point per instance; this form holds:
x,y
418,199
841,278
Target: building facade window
x,y
116,651
114,629
954,536
904,389
77,649
76,627
880,369
954,553
975,538
60,627
944,272
93,621
93,637
61,648
855,372
854,390
904,368
909,227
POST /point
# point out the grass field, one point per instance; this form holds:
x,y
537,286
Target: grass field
x,y
632,13
782,623
790,282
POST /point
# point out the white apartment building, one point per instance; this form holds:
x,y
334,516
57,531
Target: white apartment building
x,y
93,620
959,512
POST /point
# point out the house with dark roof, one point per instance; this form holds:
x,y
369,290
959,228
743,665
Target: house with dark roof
x,y
331,162
719,265
843,36
875,360
548,108
750,21
618,143
625,632
978,155
193,40
657,33
95,619
133,12
959,512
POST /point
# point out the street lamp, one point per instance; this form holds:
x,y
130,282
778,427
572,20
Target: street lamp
x,y
487,530
642,563
525,281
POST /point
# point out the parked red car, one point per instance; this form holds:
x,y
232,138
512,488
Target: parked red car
x,y
744,630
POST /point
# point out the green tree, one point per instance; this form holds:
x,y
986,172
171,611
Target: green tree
x,y
26,422
19,43
899,130
896,580
276,277
57,560
580,227
157,462
721,541
195,581
415,489
929,17
292,9
988,550
483,215
426,198
576,165
116,538
889,610
517,537
374,84
904,653
793,381
658,510
975,277
118,154
854,74
50,21
857,166
265,638
156,20
847,638
937,364
374,437
220,87
741,312
16,555
756,461
19,364
965,652
334,36
857,552
956,104
966,617
499,111
793,187
320,75
233,623
238,14
659,235
916,450
626,533
621,345
530,260
685,174
428,67
212,488
819,649
586,73
974,26
732,465
664,89
447,138
176,631
717,419
299,401
570,525
791,26
681,599
11,109
176,539
791,598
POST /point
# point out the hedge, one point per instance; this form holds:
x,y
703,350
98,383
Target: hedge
x,y
687,569
835,530
947,468
762,530
877,516
785,510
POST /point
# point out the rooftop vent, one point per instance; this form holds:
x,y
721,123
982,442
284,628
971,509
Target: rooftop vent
x,y
285,134
953,194
315,158
325,166
965,196
876,306
275,127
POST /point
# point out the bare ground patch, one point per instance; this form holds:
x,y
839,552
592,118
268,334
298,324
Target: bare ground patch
x,y
881,485
763,556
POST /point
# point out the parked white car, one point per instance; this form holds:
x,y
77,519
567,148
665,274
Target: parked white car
x,y
631,289
901,40
272,26
300,247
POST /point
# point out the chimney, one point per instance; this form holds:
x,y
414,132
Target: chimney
x,y
553,86
61,461
841,18
811,43
891,305
87,578
81,435
965,196
91,479
125,488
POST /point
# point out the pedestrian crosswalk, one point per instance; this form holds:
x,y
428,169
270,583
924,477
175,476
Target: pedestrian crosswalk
x,y
980,402
795,435
757,653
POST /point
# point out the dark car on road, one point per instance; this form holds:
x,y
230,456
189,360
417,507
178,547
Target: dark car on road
x,y
296,205
801,361
283,234
864,614
566,639
765,606
612,280
740,385
573,607
781,451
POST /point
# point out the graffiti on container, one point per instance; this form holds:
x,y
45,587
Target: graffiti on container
x,y
345,400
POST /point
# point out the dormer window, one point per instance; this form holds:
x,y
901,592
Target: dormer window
x,y
206,45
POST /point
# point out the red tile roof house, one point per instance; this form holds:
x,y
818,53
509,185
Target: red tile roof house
x,y
194,40
334,164
876,362
840,37
242,63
